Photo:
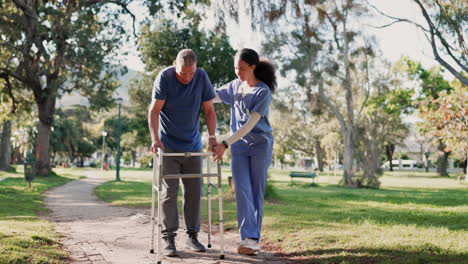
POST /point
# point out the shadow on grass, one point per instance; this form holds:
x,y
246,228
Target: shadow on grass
x,y
302,184
427,253
431,197
131,169
342,205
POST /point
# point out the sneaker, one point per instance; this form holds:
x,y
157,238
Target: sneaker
x,y
248,246
170,248
193,244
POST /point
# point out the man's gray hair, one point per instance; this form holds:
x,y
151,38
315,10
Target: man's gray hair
x,y
186,57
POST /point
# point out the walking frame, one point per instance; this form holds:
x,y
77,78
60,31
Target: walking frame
x,y
158,176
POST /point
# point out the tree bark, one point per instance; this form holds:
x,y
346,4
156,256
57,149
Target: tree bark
x,y
349,131
426,164
42,149
133,158
442,162
319,153
348,158
5,146
466,168
389,150
46,113
370,164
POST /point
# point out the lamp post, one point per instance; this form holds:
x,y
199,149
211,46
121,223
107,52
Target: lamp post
x,y
104,134
119,129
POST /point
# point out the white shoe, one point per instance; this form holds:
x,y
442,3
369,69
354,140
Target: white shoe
x,y
248,246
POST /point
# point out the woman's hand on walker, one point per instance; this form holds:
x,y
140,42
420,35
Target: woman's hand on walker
x,y
219,152
212,144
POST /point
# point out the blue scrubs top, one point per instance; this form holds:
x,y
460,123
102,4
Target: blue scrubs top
x,y
179,120
259,138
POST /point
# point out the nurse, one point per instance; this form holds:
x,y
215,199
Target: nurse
x,y
251,141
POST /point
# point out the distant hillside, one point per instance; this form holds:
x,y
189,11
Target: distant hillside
x,y
121,91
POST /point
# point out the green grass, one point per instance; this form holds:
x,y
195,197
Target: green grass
x,y
333,224
414,218
24,237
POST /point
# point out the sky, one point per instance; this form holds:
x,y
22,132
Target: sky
x,y
394,41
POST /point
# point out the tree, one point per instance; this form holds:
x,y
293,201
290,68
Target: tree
x,y
432,83
425,145
323,60
381,125
65,46
70,137
332,143
14,107
280,121
448,120
445,29
129,145
139,92
5,146
111,126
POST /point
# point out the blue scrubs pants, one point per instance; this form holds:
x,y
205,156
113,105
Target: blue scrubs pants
x,y
249,172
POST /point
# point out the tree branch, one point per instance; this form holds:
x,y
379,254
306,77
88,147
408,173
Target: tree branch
x,y
455,27
12,74
368,88
332,107
396,19
444,63
122,4
432,31
444,42
5,76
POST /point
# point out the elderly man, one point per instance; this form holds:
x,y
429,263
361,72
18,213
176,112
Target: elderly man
x,y
179,92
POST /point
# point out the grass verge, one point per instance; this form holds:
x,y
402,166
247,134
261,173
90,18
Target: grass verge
x,y
325,223
24,237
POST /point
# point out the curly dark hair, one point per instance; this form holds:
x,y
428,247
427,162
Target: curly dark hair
x,y
265,70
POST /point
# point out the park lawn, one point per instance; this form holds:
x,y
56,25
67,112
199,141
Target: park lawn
x,y
399,223
24,237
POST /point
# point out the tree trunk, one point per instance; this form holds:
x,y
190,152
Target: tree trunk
x,y
319,153
426,163
442,162
466,168
348,159
16,156
349,129
133,158
5,146
371,164
42,149
389,150
46,109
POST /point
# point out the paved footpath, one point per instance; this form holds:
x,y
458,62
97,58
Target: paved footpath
x,y
97,233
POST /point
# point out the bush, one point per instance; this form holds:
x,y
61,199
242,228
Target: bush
x,y
405,157
127,157
146,161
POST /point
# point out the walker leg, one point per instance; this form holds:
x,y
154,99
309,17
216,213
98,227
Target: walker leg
x,y
159,206
221,220
209,202
153,198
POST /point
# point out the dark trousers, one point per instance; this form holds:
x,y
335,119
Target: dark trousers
x,y
191,197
